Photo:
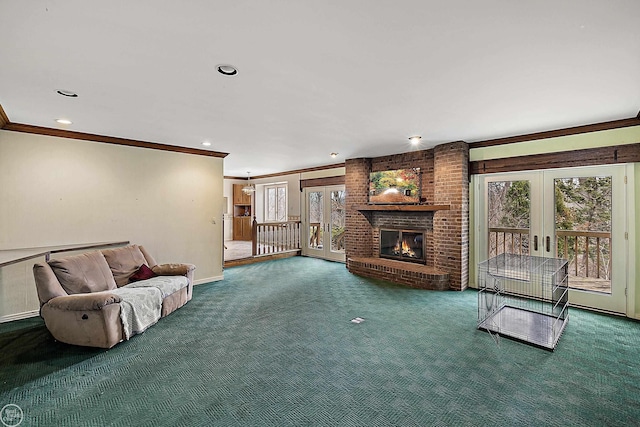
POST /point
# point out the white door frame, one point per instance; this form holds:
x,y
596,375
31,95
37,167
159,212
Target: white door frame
x,y
325,252
543,224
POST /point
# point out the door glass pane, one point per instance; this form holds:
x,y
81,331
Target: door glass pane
x,y
337,220
583,230
509,207
316,219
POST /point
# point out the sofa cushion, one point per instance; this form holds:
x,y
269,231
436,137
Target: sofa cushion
x,y
143,273
83,273
124,262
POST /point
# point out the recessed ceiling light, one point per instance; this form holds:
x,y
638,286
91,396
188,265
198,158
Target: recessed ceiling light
x,y
415,139
206,143
227,70
68,93
63,121
334,155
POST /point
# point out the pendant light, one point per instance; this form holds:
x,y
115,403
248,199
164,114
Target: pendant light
x,y
249,188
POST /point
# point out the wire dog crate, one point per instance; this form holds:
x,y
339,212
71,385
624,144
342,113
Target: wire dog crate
x,y
524,297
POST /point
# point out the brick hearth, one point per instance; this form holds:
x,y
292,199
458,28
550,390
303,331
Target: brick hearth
x,y
414,275
444,174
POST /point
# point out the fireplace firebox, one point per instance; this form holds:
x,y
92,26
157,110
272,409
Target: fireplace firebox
x,y
404,245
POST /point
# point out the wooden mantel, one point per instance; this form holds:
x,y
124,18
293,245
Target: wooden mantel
x,y
401,208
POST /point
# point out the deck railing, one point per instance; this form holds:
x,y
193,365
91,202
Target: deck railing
x,y
275,237
588,252
315,235
508,240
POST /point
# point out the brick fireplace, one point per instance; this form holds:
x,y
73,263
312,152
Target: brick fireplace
x,y
442,215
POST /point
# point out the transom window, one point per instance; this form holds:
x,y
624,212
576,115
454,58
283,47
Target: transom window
x,y
275,202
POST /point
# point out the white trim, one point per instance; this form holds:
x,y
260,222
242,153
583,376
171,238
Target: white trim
x,y
632,230
19,316
208,280
265,206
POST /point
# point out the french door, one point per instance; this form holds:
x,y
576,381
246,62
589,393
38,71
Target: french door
x,y
324,228
578,214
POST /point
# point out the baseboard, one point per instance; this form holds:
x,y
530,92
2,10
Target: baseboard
x,y
19,316
208,280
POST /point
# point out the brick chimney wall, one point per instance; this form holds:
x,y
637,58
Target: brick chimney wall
x,y
451,228
357,224
444,174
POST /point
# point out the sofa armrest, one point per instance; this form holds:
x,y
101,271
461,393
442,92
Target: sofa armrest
x,y
47,284
173,269
83,302
177,270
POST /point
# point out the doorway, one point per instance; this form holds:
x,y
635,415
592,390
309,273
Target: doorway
x,y
577,213
324,227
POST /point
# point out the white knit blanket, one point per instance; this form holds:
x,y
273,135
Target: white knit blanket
x,y
141,304
166,284
139,308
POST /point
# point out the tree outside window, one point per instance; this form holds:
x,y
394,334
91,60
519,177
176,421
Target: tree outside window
x,y
275,203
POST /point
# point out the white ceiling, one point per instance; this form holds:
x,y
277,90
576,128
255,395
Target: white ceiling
x,y
353,77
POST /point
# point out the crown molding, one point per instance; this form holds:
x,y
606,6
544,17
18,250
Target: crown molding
x,y
4,120
614,124
62,133
295,171
291,172
5,124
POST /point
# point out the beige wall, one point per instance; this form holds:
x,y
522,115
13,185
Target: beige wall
x,y
57,191
629,135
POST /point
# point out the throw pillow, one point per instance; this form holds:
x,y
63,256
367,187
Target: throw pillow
x,y
143,273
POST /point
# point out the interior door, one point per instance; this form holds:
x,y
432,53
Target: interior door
x,y
325,222
577,214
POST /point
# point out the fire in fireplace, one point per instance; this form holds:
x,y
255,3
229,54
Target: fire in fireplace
x,y
405,245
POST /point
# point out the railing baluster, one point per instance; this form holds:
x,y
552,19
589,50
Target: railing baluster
x,y
598,257
520,243
587,256
575,253
254,236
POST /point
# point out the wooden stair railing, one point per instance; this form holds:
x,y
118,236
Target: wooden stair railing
x,y
275,237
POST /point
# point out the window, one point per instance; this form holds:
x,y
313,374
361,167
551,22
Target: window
x,y
275,202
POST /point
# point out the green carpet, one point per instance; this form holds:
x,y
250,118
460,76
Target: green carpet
x,y
273,345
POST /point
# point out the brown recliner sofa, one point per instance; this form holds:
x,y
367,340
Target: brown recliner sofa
x,y
88,299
